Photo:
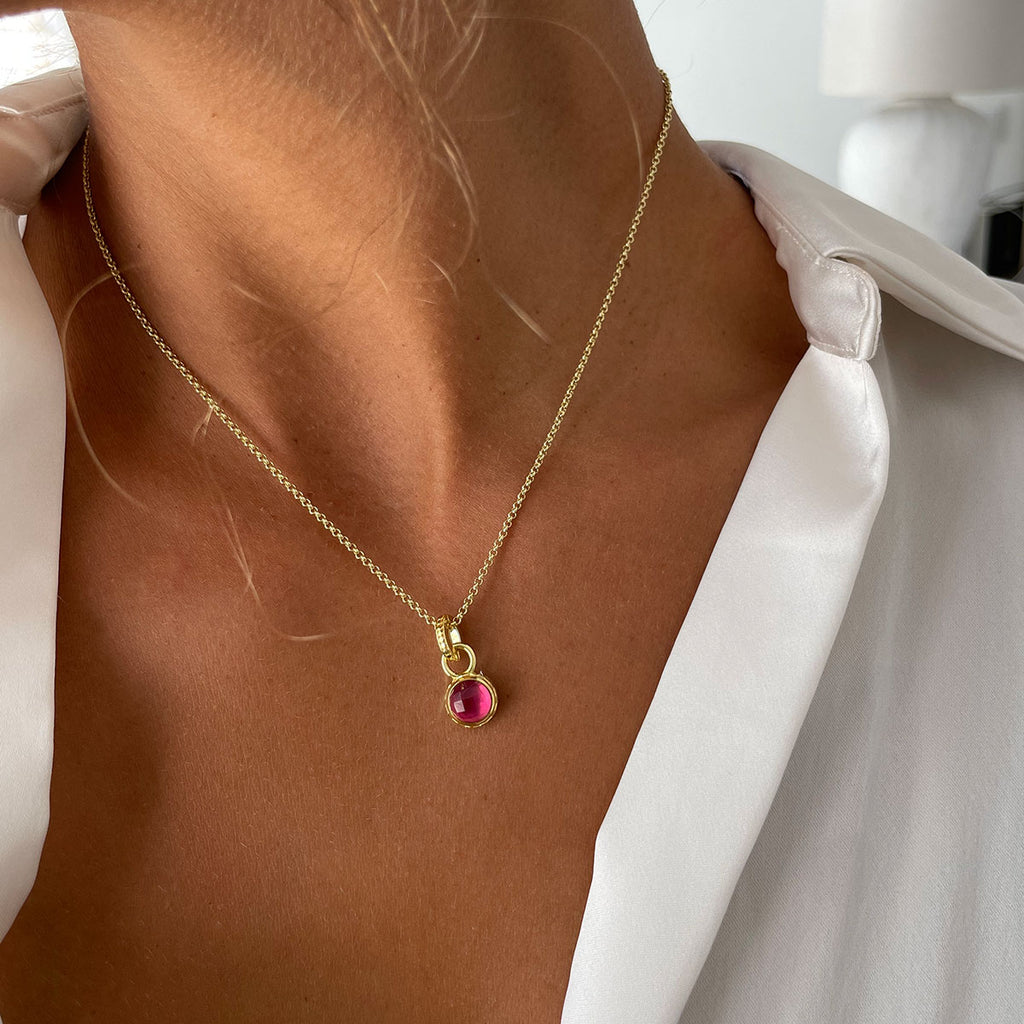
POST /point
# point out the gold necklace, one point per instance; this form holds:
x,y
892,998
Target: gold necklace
x,y
470,698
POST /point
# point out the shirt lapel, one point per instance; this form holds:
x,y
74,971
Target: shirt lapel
x,y
40,120
725,716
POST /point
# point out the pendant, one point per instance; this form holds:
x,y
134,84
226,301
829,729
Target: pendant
x,y
470,699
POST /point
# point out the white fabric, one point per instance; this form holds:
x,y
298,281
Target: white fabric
x,y
821,817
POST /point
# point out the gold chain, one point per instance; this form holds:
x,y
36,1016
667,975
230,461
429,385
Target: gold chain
x,y
279,476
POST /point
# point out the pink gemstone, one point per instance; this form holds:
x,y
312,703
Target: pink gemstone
x,y
470,701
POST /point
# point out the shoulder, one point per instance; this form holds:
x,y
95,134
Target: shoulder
x,y
940,345
41,120
843,256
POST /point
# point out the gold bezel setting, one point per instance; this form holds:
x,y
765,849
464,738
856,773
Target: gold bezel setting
x,y
475,677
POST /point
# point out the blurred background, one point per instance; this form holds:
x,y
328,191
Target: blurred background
x,y
915,106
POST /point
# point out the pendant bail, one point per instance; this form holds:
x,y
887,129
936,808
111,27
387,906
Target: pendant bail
x,y
447,634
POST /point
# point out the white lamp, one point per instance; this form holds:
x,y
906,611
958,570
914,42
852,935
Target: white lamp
x,y
924,158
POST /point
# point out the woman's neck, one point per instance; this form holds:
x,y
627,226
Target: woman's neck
x,y
270,196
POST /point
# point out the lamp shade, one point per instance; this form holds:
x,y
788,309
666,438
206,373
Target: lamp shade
x,y
921,47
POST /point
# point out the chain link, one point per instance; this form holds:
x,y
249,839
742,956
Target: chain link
x,y
265,461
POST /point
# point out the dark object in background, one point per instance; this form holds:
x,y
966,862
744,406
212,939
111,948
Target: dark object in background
x,y
1003,217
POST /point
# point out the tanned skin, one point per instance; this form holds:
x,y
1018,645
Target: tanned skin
x,y
259,809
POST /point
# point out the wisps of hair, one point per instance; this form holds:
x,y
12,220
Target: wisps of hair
x,y
406,50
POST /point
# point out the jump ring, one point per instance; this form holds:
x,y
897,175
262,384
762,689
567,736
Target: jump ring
x,y
457,649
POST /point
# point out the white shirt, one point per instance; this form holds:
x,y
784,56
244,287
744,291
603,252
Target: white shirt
x,y
822,816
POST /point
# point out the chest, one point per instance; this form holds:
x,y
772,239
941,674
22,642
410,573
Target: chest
x,y
255,787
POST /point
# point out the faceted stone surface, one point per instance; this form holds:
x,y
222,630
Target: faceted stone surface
x,y
470,701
